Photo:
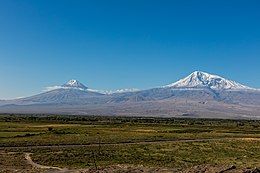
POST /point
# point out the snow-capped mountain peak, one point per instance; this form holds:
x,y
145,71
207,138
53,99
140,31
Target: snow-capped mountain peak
x,y
74,84
200,79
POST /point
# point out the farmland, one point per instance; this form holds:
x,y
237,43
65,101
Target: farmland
x,y
93,143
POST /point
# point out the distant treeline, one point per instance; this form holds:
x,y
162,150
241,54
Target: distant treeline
x,y
90,119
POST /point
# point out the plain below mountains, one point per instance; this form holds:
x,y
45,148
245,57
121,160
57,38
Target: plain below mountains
x,y
199,95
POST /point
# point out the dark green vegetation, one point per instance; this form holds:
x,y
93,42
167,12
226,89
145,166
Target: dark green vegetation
x,y
171,155
171,143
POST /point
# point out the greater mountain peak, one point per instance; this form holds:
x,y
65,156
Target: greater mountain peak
x,y
200,79
200,74
74,84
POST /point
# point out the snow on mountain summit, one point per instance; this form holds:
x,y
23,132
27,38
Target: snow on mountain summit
x,y
200,79
71,84
195,80
74,84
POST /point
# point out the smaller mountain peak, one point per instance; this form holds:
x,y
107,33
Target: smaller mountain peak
x,y
74,84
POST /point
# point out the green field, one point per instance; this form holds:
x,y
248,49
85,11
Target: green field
x,y
85,141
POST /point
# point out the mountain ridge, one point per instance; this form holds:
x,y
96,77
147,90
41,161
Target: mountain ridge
x,y
74,84
202,79
198,94
195,80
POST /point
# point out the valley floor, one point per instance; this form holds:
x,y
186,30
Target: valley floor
x,y
100,144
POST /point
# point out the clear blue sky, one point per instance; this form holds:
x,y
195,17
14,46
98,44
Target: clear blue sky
x,y
125,43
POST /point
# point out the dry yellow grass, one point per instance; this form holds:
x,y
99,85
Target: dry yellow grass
x,y
56,125
146,130
250,139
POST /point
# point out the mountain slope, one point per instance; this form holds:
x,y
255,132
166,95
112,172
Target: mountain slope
x,y
198,86
199,79
73,92
198,95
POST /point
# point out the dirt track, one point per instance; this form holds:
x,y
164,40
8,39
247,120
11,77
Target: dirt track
x,y
130,168
124,143
29,159
51,169
141,169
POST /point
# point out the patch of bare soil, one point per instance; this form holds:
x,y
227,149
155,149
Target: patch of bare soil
x,y
130,169
196,169
140,169
250,139
219,169
22,163
12,161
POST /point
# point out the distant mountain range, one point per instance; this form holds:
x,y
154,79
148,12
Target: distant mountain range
x,y
199,95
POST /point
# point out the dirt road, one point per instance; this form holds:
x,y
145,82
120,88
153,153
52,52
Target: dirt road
x,y
29,160
121,143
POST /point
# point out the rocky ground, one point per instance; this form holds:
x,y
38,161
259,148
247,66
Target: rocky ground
x,y
138,169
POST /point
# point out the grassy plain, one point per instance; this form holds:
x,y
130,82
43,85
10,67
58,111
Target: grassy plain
x,y
83,141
